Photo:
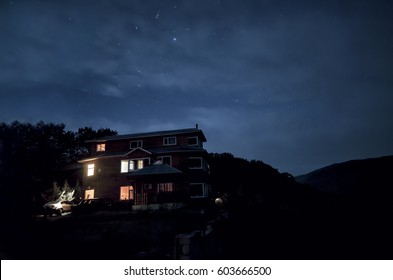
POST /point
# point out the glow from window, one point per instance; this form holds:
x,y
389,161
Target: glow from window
x,y
165,187
100,147
90,169
140,164
124,166
129,165
126,193
89,194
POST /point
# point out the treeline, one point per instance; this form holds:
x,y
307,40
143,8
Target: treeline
x,y
271,216
247,184
33,157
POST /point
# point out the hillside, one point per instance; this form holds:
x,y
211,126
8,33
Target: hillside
x,y
366,178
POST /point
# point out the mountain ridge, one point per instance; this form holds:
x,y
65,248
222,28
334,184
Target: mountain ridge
x,y
358,177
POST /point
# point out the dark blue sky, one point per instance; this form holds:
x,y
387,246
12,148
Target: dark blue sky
x,y
296,84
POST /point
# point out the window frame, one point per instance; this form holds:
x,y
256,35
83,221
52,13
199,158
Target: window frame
x,y
139,144
193,137
133,164
204,187
167,141
161,158
89,192
100,147
126,193
165,187
124,166
90,169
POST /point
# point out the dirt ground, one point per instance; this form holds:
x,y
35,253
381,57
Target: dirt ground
x,y
102,235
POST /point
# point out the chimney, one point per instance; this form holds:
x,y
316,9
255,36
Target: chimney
x,y
196,126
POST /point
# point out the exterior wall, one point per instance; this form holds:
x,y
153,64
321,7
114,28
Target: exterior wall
x,y
107,178
148,142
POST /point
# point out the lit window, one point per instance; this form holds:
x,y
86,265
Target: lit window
x,y
169,141
124,166
136,144
165,187
126,193
100,147
132,165
89,194
90,169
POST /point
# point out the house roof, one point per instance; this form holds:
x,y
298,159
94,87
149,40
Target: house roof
x,y
175,149
138,149
150,134
156,169
104,155
154,150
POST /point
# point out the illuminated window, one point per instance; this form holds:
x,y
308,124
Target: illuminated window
x,y
126,193
131,165
136,144
165,187
169,141
124,166
90,169
89,194
100,147
128,165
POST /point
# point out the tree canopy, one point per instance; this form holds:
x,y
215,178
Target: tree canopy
x,y
33,155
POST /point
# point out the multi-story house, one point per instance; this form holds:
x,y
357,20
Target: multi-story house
x,y
147,168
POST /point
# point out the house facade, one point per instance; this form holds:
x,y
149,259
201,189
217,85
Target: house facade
x,y
148,168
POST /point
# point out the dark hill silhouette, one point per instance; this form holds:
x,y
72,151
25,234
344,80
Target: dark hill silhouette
x,y
369,178
273,216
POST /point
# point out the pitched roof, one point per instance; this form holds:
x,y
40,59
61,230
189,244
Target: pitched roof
x,y
156,169
154,150
175,149
150,134
104,155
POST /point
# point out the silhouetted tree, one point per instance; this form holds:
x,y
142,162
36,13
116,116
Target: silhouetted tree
x,y
32,157
256,184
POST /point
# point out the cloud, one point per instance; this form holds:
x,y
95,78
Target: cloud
x,y
112,91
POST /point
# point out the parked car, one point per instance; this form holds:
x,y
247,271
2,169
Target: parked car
x,y
57,207
92,205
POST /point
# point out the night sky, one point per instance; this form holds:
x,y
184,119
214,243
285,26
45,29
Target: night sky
x,y
296,84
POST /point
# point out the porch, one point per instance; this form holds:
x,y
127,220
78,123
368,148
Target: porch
x,y
157,184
